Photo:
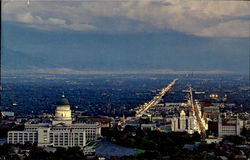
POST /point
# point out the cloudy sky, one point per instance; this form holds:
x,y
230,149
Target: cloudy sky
x,y
129,35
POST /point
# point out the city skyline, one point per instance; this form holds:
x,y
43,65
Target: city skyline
x,y
124,79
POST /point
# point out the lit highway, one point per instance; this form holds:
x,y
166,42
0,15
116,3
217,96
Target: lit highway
x,y
156,99
197,114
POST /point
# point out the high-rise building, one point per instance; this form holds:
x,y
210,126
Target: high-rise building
x,y
61,132
183,123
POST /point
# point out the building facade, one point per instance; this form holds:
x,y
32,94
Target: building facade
x,y
211,112
183,123
61,132
228,128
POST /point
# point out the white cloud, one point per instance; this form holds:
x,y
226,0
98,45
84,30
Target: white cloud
x,y
56,21
201,18
38,19
25,18
44,24
81,27
228,29
28,18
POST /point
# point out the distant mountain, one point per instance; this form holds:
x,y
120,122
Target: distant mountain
x,y
30,48
18,60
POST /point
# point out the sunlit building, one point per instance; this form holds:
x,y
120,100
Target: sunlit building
x,y
183,123
228,127
61,132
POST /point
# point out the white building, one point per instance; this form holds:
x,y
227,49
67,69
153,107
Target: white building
x,y
183,123
150,127
61,132
228,128
7,113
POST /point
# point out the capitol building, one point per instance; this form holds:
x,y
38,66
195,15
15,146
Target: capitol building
x,y
61,132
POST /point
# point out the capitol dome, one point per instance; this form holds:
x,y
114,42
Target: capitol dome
x,y
63,112
63,101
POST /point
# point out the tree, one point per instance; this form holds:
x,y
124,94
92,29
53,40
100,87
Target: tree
x,y
148,155
235,139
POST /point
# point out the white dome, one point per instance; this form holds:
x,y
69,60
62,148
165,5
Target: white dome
x,y
63,112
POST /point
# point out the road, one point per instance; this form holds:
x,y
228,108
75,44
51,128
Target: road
x,y
195,106
156,99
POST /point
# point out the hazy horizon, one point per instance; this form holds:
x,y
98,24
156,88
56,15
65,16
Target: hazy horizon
x,y
125,36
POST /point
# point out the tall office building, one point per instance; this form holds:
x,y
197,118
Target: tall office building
x,y
61,132
183,123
